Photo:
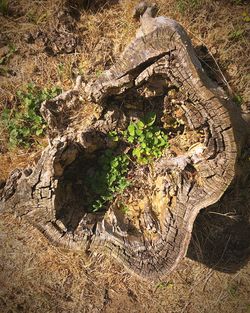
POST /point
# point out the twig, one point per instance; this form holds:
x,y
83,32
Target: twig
x,y
233,216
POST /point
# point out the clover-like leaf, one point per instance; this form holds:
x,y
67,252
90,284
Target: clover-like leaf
x,y
131,129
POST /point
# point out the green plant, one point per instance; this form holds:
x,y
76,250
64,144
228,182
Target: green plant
x,y
147,140
162,284
108,179
246,17
98,73
123,208
4,6
238,99
232,290
5,59
60,68
184,5
24,122
35,18
236,34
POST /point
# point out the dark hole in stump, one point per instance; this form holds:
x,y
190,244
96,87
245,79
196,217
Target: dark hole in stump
x,y
72,202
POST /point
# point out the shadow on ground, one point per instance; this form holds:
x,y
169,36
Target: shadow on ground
x,y
221,233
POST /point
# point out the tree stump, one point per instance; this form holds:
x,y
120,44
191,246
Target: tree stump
x,y
158,70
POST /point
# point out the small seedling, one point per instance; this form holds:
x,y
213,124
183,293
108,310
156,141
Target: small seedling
x,y
238,100
4,6
24,122
162,284
124,209
233,290
246,17
98,73
147,140
109,179
5,59
236,34
60,69
185,5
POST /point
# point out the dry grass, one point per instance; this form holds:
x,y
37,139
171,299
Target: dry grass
x,y
36,277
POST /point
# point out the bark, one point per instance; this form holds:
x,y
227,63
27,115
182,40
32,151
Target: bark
x,y
49,193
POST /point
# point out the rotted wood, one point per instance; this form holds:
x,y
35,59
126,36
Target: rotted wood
x,y
49,194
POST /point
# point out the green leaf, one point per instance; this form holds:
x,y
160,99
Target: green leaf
x,y
238,100
114,163
149,134
124,209
25,132
144,161
5,114
37,119
107,198
14,133
140,125
113,135
130,139
156,141
27,102
148,151
111,180
136,152
246,19
236,34
131,129
39,132
123,185
13,141
139,132
162,142
141,138
124,133
150,118
97,206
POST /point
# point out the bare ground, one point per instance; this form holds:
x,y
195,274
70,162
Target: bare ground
x,y
37,277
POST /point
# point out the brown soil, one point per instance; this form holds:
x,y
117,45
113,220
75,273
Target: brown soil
x,y
37,277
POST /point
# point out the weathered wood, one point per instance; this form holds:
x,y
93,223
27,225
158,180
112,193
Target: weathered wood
x,y
49,194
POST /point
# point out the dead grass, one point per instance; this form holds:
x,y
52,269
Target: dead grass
x,y
36,277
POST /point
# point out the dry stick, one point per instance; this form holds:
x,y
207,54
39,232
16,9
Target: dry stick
x,y
209,275
210,67
223,252
198,245
233,216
